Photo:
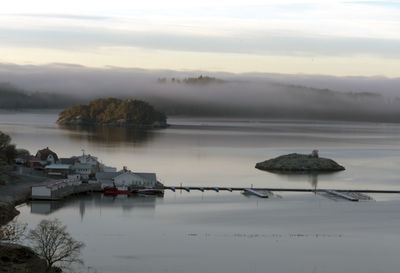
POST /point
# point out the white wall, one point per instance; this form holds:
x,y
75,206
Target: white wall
x,y
130,179
74,176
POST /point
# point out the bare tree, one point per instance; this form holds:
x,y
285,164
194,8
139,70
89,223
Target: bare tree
x,y
54,244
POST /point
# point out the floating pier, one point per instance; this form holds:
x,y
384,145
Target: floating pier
x,y
342,195
256,193
353,195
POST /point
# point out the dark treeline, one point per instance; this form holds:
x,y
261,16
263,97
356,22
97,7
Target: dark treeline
x,y
12,97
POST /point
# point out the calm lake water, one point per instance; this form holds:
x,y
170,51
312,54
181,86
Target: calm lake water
x,y
227,232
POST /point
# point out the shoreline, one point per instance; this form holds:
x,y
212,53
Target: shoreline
x,y
17,191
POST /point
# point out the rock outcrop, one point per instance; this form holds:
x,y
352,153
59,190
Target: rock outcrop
x,y
16,258
298,163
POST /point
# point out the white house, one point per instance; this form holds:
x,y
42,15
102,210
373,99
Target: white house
x,y
47,155
106,179
136,179
84,169
87,159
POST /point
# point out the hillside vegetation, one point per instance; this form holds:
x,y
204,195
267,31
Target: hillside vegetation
x,y
12,97
113,111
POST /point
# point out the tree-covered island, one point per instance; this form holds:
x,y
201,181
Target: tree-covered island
x,y
113,112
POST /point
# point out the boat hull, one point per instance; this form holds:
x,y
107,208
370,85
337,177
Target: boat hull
x,y
157,192
115,191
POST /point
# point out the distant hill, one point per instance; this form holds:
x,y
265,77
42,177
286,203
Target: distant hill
x,y
12,97
112,111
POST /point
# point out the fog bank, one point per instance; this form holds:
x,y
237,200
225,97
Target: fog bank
x,y
240,95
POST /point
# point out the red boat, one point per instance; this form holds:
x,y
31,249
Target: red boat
x,y
116,190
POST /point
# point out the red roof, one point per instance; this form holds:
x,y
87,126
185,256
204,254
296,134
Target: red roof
x,y
44,154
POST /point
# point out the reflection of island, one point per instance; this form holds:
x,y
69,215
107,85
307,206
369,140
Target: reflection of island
x,y
95,200
312,178
106,134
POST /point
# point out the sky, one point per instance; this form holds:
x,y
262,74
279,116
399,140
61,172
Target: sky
x,y
340,38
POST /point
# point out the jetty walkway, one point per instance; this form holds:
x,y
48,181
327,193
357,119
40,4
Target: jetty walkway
x,y
346,194
62,188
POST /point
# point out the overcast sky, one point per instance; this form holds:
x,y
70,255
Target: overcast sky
x,y
280,36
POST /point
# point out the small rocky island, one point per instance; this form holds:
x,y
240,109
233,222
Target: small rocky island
x,y
113,112
299,163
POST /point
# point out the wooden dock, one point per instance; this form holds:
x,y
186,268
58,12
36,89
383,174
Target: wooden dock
x,y
217,189
345,194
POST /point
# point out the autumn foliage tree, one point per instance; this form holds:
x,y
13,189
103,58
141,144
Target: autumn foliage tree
x,y
112,111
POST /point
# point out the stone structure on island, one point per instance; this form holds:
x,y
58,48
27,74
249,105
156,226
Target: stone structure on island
x,y
300,163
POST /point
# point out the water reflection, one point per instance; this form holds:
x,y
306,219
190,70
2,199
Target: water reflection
x,y
110,135
45,207
312,178
95,200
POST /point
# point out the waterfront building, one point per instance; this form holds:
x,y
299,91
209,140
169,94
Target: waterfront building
x,y
127,178
58,169
42,158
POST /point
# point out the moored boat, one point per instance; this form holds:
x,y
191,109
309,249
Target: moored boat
x,y
150,191
116,190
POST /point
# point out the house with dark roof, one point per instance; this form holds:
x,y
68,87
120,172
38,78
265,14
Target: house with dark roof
x,y
47,155
42,158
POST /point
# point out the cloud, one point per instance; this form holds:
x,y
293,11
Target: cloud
x,y
63,16
390,4
347,38
258,43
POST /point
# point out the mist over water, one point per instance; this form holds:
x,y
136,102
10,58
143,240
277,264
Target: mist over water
x,y
239,95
